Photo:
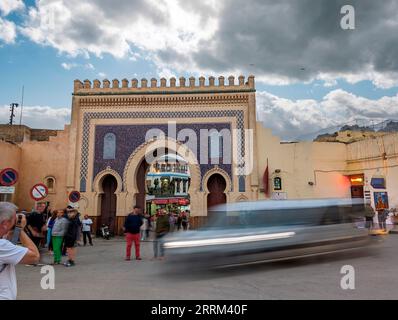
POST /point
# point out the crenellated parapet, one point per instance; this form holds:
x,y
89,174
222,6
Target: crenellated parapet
x,y
182,85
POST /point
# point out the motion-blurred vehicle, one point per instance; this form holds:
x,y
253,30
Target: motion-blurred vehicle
x,y
246,232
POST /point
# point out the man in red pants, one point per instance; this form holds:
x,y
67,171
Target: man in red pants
x,y
131,229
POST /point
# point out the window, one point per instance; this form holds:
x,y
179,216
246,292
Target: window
x,y
109,152
50,184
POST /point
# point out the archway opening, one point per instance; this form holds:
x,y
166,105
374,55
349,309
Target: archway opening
x,y
167,182
216,186
108,203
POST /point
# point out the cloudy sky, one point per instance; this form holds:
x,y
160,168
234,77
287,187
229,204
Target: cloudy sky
x,y
311,74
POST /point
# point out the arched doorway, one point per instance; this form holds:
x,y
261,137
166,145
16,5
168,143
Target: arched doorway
x,y
108,203
157,148
141,174
216,186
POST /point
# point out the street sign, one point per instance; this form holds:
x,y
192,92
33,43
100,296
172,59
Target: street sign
x,y
74,196
7,190
8,177
39,192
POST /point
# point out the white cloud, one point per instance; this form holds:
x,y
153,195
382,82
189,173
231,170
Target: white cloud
x,y
8,6
41,117
69,66
7,31
290,119
102,74
71,27
89,66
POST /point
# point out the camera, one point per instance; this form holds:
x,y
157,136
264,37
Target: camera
x,y
20,217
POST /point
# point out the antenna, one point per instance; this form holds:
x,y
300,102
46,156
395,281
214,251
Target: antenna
x,y
13,106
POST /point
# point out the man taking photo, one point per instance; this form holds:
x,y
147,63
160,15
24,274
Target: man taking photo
x,y
10,253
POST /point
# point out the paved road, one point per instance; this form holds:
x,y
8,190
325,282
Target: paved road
x,y
101,273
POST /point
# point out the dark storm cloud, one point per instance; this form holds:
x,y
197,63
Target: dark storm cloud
x,y
281,37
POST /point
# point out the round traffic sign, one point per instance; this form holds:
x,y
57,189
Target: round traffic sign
x,y
39,192
8,177
74,196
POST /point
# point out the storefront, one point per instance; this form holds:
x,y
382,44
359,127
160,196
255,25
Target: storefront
x,y
175,205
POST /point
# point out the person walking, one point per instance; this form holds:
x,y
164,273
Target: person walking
x,y
50,225
12,254
369,215
131,229
71,236
149,221
179,221
87,223
162,228
58,232
172,221
144,228
184,221
382,217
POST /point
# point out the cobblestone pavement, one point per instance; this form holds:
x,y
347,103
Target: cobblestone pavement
x,y
102,273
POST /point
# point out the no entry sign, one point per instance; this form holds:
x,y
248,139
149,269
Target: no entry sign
x,y
39,192
74,196
8,177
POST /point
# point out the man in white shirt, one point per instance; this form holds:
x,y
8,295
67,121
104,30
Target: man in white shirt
x,y
11,254
87,222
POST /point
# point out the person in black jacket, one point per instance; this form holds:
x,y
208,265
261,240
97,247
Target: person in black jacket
x,y
131,229
71,236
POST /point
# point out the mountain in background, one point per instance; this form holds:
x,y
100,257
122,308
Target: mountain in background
x,y
355,130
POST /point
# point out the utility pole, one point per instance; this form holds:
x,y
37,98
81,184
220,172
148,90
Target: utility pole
x,y
12,109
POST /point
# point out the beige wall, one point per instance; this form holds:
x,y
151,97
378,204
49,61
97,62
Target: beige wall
x,y
40,160
300,163
10,157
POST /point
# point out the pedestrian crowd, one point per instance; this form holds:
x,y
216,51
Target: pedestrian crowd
x,y
58,230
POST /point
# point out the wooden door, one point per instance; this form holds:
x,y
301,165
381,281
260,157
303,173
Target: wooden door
x,y
108,203
357,192
216,186
141,184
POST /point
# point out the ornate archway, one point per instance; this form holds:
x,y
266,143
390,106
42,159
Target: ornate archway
x,y
223,173
99,202
216,186
145,152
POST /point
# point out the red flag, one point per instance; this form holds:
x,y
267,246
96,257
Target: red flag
x,y
265,180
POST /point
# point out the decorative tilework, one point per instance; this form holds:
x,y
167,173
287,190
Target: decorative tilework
x,y
88,116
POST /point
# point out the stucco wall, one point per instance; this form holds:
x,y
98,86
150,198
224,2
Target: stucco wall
x,y
10,157
300,163
40,160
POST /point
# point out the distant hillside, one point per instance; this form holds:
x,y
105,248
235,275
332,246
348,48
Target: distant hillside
x,y
355,132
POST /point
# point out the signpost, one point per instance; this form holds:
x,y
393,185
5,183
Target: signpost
x,y
74,196
8,177
39,192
